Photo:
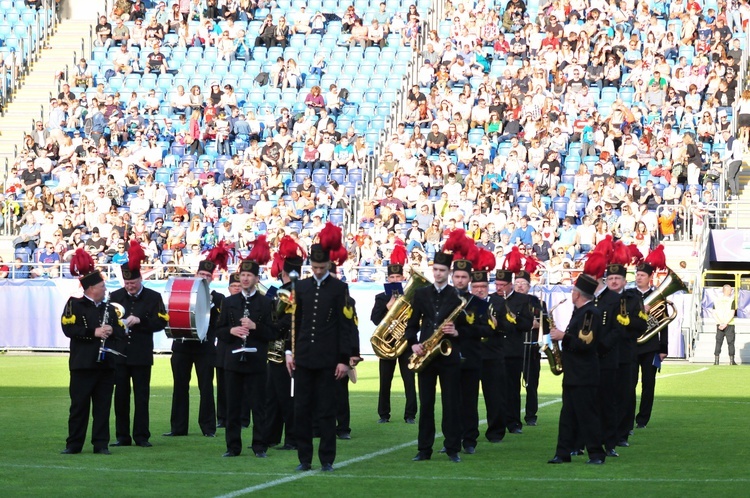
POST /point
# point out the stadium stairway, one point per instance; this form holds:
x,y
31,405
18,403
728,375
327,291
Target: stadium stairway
x,y
32,100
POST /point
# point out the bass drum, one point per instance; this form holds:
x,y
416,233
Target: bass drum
x,y
189,308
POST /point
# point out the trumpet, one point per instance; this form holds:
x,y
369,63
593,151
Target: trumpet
x,y
437,343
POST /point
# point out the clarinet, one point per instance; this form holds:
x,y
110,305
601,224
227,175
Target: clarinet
x,y
245,314
105,319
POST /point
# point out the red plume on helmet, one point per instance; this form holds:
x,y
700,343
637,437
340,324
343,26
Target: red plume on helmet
x,y
605,247
485,260
338,256
219,255
288,248
635,254
657,258
330,237
620,254
513,261
135,255
277,266
81,264
531,264
461,246
596,263
398,255
261,252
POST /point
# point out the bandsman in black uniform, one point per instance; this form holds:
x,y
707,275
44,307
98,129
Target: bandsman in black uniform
x,y
279,401
320,352
187,353
387,368
92,325
244,323
144,315
648,352
235,287
579,419
531,355
432,306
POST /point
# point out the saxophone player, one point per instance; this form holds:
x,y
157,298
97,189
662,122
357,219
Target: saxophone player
x,y
578,416
245,321
90,322
432,304
383,304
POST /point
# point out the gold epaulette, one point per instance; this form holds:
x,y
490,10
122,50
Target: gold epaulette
x,y
623,320
163,316
643,315
68,317
510,318
348,312
470,318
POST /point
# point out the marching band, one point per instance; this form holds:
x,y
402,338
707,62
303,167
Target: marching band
x,y
287,355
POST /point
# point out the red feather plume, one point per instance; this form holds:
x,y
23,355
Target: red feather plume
x,y
289,248
338,256
485,261
657,258
513,261
595,264
531,264
455,241
398,255
605,247
620,254
135,255
81,264
219,255
261,252
635,255
277,266
330,237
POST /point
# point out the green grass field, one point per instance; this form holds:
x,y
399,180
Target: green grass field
x,y
697,444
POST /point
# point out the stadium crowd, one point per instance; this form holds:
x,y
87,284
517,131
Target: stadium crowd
x,y
547,128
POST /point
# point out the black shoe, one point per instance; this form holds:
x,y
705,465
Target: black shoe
x,y
220,425
595,461
383,421
70,451
577,453
611,453
229,454
327,467
496,441
623,443
286,447
442,450
421,457
345,436
303,467
102,451
640,426
144,444
531,423
245,426
454,458
517,430
261,454
174,434
470,450
209,434
121,443
559,459
410,421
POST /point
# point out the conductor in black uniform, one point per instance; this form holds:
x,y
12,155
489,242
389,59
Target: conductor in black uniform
x,y
92,371
657,346
245,322
187,353
383,304
320,356
432,306
144,315
578,417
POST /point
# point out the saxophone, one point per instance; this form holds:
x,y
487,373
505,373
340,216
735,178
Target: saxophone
x,y
437,343
554,356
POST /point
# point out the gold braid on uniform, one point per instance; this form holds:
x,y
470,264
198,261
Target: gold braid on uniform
x,y
470,318
163,313
585,334
69,318
623,317
643,315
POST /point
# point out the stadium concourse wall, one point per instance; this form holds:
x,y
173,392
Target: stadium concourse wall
x,y
31,311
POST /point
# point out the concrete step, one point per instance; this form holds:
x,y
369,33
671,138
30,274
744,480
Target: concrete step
x,y
705,343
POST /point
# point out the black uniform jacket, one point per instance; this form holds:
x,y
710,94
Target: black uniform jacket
x,y
323,331
579,356
493,347
259,311
637,325
519,305
148,306
430,309
79,320
208,345
608,345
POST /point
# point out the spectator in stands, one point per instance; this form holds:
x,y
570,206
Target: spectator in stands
x,y
156,62
103,30
137,35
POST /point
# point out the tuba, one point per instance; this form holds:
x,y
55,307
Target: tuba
x,y
388,340
662,310
437,343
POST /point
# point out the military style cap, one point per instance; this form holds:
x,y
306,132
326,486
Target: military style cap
x,y
249,266
504,276
646,268
479,276
524,275
443,258
207,265
91,279
234,278
395,270
293,264
617,269
462,265
319,255
586,284
128,274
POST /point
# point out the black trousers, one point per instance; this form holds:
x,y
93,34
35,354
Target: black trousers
x,y
626,396
182,367
579,421
728,332
493,389
648,386
608,407
279,405
513,370
531,373
90,390
140,376
449,376
221,397
315,393
343,413
387,369
237,383
469,411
